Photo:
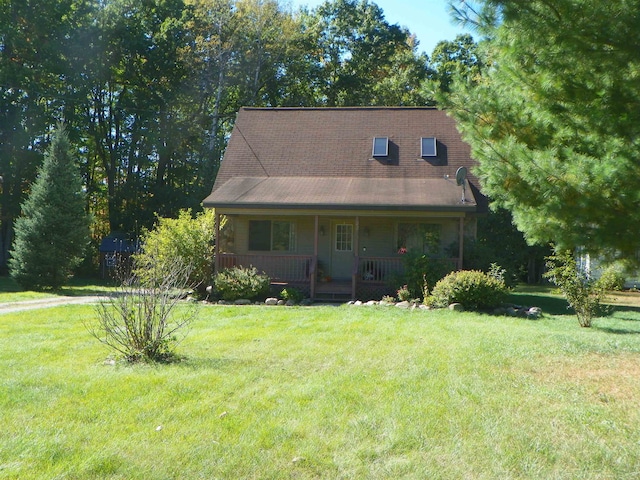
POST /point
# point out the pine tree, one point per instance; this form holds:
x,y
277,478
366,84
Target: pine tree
x,y
555,120
53,229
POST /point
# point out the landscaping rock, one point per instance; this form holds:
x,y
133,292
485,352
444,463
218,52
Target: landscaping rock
x,y
281,302
357,303
271,301
242,301
290,303
456,307
404,304
534,313
422,306
371,303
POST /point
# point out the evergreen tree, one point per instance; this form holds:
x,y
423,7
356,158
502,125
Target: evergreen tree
x,y
555,119
53,229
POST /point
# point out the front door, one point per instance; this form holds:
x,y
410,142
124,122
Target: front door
x,y
341,250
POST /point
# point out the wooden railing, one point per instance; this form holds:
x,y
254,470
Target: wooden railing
x,y
280,268
383,269
378,269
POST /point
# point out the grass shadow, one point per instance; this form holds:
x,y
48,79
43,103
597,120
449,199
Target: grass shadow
x,y
550,304
616,331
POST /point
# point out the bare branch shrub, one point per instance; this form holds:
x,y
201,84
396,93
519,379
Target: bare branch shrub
x,y
146,318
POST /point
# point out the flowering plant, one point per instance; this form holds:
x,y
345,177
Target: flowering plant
x,y
402,250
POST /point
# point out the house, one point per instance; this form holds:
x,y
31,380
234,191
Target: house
x,y
329,199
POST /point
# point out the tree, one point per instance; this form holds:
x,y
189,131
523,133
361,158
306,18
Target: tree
x,y
456,59
356,49
584,294
555,119
187,238
33,65
53,230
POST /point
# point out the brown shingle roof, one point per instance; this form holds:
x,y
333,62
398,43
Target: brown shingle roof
x,y
322,157
344,193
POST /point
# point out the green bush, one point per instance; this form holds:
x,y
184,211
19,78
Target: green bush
x,y
292,294
612,279
403,294
582,294
422,271
188,238
472,288
241,283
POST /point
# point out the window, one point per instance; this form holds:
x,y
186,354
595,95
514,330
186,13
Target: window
x,y
380,146
428,147
344,237
267,235
423,237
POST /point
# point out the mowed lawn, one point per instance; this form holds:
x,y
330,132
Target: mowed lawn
x,y
331,392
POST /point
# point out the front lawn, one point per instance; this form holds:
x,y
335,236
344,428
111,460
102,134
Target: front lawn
x,y
10,291
325,392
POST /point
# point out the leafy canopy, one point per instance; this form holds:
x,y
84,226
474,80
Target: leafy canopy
x,y
555,120
188,238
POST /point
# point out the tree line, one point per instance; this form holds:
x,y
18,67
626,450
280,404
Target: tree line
x,y
148,90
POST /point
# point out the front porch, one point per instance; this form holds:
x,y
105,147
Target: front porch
x,y
371,277
338,255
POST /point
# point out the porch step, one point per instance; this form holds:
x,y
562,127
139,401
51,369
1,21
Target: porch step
x,y
336,291
332,297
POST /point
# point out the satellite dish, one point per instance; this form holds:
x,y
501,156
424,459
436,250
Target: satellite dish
x,y
461,176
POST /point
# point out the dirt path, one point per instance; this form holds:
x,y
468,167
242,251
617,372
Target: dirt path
x,y
45,303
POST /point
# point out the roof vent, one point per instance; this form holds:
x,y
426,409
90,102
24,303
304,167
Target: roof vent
x,y
380,146
428,147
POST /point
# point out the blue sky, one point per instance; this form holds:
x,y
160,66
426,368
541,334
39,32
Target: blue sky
x,y
428,19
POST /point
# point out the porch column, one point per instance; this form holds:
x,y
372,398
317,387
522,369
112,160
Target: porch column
x,y
461,243
216,244
356,259
314,273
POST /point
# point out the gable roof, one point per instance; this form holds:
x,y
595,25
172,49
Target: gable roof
x,y
322,158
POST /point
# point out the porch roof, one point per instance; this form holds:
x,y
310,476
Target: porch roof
x,y
349,193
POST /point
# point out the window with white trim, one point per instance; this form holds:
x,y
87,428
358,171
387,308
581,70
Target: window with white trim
x,y
428,147
380,147
344,237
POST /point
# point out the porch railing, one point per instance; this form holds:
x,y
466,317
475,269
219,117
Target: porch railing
x,y
384,269
280,268
378,269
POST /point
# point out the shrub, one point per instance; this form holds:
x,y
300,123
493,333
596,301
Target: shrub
x,y
403,294
472,288
292,294
239,282
388,299
422,271
612,279
582,294
188,238
141,321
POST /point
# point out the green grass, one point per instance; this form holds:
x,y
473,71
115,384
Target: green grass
x,y
325,392
10,291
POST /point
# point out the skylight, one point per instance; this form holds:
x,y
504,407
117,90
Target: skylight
x,y
380,146
428,147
